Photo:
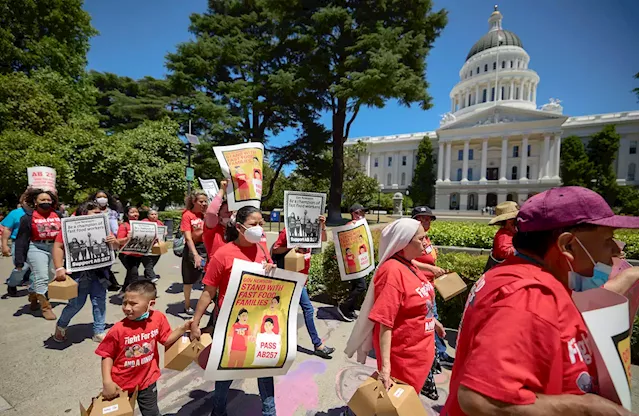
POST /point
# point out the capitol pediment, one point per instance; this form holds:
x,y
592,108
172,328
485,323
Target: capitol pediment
x,y
503,117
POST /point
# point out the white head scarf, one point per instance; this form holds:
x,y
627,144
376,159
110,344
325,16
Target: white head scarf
x,y
395,237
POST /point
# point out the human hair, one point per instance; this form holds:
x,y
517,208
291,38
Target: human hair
x,y
276,298
23,197
111,202
32,195
191,199
143,287
539,242
243,310
268,320
231,233
85,207
126,212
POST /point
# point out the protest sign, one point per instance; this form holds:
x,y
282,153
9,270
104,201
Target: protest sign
x,y
242,165
210,187
256,330
354,250
301,210
606,315
85,245
42,177
143,235
162,233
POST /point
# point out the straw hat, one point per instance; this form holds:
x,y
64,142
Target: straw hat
x,y
505,211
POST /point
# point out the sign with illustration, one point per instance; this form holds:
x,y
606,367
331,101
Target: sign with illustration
x,y
143,236
210,187
606,315
256,330
354,250
42,177
242,165
301,211
85,245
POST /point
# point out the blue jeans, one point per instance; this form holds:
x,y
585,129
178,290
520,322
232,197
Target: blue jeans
x,y
41,263
441,348
265,386
307,311
88,285
17,276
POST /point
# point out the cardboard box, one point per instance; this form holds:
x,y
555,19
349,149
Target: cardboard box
x,y
371,398
184,351
294,261
450,285
123,405
159,248
63,290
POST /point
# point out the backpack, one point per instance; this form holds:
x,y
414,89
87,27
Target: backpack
x,y
178,245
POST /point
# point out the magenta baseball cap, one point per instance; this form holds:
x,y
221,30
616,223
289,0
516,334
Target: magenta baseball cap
x,y
567,206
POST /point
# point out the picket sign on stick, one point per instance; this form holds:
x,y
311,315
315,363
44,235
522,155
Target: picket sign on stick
x,y
42,177
143,235
85,245
354,250
210,187
301,212
241,164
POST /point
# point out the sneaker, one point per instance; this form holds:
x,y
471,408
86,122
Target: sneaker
x,y
155,279
437,369
346,315
189,311
324,352
12,291
446,360
114,288
429,388
98,337
60,335
158,276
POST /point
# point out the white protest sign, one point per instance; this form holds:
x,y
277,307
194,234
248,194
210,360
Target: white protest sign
x,y
85,245
42,177
301,213
210,187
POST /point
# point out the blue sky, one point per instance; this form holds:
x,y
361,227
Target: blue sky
x,y
585,52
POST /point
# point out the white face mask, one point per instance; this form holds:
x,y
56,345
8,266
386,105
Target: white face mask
x,y
253,234
225,221
579,283
102,201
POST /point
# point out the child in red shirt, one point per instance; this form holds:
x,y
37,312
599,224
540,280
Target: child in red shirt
x,y
129,351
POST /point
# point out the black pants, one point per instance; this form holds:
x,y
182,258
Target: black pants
x,y
149,262
131,263
148,401
358,287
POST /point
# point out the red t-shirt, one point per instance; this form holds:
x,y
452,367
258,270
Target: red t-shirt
x,y
219,269
516,342
158,222
213,239
242,181
194,223
240,332
276,324
403,301
282,242
503,244
133,347
44,227
123,231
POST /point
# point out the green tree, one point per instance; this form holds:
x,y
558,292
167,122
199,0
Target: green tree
x,y
352,54
602,150
575,167
358,187
422,188
37,34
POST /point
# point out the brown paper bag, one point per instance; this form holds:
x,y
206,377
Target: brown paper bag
x,y
294,261
63,290
123,405
159,248
371,399
450,285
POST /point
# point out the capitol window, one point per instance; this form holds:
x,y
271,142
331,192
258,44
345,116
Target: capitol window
x,y
516,151
514,173
404,161
389,161
631,172
484,95
470,174
503,64
388,179
633,147
402,178
528,172
375,162
470,154
459,175
528,150
510,64
486,67
494,66
477,70
460,154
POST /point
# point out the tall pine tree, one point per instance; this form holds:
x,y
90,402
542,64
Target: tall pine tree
x,y
575,167
422,189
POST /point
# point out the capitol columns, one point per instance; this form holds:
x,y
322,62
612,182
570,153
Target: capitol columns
x,y
523,158
465,161
555,156
503,161
544,162
483,163
440,161
447,164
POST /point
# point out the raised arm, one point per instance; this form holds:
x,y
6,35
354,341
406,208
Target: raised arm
x,y
211,216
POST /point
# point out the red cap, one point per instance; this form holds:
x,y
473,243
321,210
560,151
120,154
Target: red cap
x,y
567,206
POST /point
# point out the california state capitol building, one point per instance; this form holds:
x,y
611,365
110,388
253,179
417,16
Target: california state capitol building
x,y
496,144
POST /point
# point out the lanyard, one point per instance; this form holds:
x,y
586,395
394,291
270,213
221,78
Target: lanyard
x,y
406,263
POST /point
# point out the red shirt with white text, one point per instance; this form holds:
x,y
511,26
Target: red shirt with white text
x,y
194,223
44,227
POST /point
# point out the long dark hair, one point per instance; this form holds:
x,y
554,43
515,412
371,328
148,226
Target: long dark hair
x,y
32,195
243,310
231,233
111,202
126,212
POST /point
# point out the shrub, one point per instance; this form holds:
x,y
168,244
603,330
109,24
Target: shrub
x,y
175,215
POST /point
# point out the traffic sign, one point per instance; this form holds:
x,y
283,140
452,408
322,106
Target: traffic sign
x,y
189,174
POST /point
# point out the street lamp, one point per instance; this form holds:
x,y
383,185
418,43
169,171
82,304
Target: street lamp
x,y
407,194
380,188
192,139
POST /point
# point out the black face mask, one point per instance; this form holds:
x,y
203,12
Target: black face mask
x,y
45,206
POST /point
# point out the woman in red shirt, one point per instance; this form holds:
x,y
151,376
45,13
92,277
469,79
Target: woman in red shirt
x,y
503,240
195,253
130,261
245,244
37,231
215,221
150,261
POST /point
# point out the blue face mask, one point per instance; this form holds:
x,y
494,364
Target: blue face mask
x,y
601,273
143,316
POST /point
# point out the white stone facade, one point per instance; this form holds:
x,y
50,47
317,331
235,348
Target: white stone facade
x,y
492,148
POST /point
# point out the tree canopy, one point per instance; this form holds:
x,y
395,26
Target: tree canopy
x,y
422,188
575,167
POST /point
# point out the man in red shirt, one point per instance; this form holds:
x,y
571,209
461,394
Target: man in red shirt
x,y
280,249
523,347
503,240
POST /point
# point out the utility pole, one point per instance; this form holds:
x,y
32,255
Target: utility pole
x,y
192,139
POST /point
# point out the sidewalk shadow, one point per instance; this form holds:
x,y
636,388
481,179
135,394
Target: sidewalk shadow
x,y
21,293
75,334
238,404
175,288
336,411
305,350
329,313
116,299
26,310
177,309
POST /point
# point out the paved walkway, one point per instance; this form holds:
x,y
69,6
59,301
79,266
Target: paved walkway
x,y
41,377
